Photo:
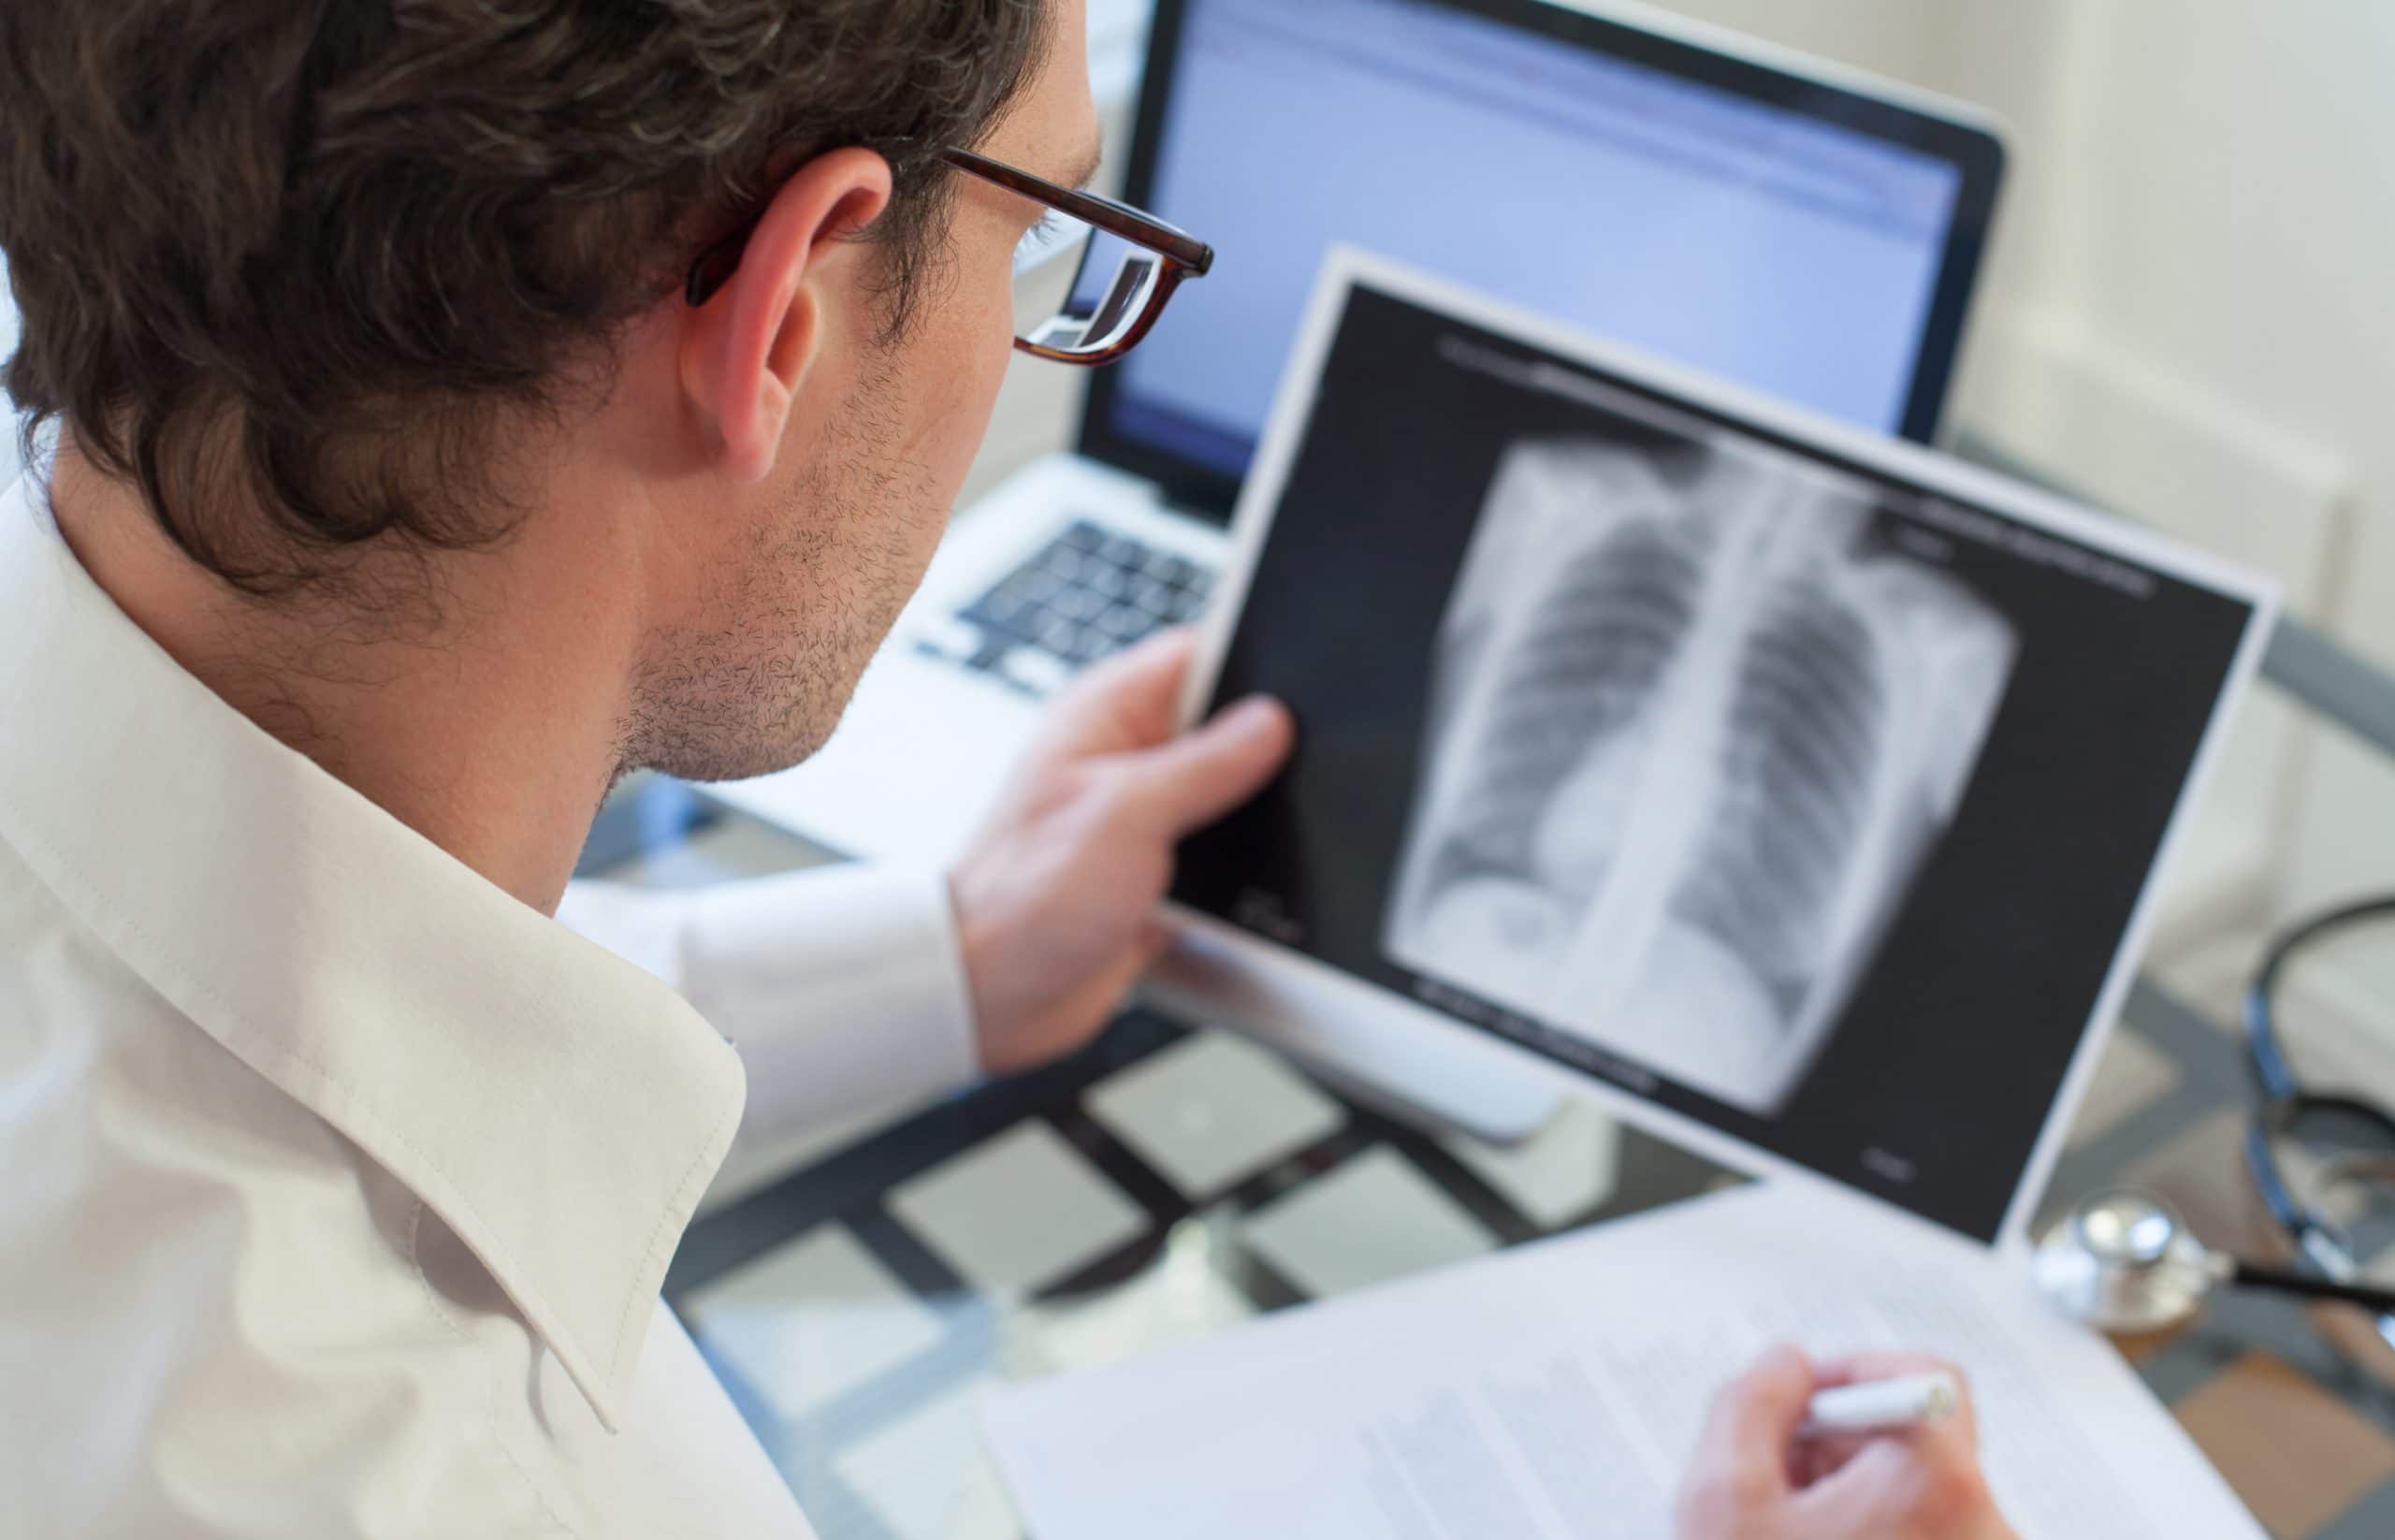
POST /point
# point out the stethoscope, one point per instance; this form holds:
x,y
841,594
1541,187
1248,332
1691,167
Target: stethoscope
x,y
2124,1262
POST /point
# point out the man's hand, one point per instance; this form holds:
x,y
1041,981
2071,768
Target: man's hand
x,y
1754,1480
1056,899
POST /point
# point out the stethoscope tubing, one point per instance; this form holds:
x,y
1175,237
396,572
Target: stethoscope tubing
x,y
2311,1286
2272,1072
2284,1104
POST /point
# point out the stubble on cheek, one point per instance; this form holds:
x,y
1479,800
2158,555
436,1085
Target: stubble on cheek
x,y
794,623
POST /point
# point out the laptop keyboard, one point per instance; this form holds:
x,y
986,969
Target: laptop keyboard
x,y
1088,593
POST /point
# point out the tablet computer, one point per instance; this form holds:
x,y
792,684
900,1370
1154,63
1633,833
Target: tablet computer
x,y
1798,791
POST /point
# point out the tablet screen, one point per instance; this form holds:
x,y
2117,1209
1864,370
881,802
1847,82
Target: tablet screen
x,y
1793,795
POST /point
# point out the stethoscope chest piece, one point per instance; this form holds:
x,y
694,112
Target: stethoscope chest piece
x,y
2123,1262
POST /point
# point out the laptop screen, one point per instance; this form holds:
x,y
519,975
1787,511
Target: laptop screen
x,y
1768,242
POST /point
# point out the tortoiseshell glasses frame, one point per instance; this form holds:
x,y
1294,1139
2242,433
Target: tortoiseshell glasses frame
x,y
1117,317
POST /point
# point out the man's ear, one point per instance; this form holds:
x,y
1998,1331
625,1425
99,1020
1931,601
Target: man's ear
x,y
745,352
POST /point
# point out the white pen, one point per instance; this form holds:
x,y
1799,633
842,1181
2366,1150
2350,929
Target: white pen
x,y
1879,1405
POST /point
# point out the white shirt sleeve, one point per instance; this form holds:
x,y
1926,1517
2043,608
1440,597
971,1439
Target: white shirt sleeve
x,y
842,988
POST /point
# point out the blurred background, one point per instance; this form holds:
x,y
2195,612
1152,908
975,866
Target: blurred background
x,y
2183,318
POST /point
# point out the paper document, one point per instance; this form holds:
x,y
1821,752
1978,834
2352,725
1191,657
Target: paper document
x,y
1556,1390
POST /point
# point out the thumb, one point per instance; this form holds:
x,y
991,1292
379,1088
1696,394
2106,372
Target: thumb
x,y
1198,777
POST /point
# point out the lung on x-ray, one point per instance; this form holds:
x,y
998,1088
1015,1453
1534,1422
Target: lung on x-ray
x,y
1698,720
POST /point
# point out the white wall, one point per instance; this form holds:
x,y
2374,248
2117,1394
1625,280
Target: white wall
x,y
2189,312
2222,210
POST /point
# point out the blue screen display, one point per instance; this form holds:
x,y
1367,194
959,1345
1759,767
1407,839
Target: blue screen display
x,y
1779,251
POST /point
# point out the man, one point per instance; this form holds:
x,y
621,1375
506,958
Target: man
x,y
404,497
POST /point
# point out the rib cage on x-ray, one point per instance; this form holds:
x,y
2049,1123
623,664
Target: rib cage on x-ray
x,y
1578,674
1691,736
1812,697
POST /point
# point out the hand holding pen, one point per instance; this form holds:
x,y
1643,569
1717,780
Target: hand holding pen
x,y
1881,1446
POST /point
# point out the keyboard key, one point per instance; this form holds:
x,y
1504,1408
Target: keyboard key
x,y
952,637
1036,673
1087,593
1006,612
1125,623
1092,644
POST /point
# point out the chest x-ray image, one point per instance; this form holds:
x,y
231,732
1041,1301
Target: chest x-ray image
x,y
1698,720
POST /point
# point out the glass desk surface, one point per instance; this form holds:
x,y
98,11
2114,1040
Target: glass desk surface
x,y
1169,1182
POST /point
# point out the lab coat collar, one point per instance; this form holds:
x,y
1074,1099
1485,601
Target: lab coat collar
x,y
559,1109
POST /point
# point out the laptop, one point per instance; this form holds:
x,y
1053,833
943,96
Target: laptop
x,y
1797,791
1791,225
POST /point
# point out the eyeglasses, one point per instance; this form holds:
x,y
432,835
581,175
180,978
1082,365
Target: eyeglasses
x,y
1131,266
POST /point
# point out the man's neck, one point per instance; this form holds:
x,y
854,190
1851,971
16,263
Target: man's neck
x,y
496,747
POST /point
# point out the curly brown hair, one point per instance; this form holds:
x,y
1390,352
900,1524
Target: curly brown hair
x,y
287,265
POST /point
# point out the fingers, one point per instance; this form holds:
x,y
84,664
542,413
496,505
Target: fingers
x,y
1816,1459
1762,1408
1124,710
1744,1446
1752,1477
1872,1493
1923,1480
1129,702
1920,1483
1198,778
